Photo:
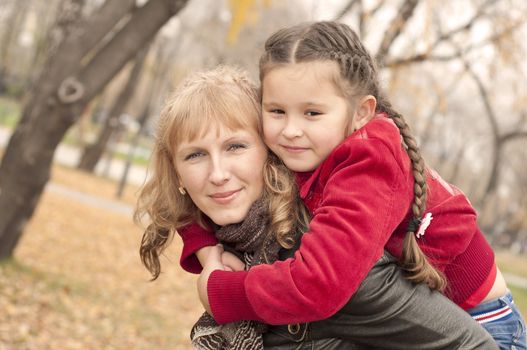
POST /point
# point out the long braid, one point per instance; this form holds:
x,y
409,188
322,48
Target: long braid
x,y
413,259
360,72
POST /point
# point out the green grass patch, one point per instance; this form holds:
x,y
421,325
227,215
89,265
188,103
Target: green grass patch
x,y
9,112
520,298
517,265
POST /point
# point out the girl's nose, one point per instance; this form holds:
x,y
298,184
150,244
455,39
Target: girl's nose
x,y
292,129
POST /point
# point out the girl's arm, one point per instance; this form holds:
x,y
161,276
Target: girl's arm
x,y
196,243
367,193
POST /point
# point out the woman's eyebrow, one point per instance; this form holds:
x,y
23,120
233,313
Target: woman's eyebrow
x,y
186,149
238,136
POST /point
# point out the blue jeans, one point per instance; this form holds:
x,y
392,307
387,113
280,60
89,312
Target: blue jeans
x,y
502,319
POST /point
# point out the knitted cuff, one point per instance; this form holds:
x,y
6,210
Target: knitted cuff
x,y
194,238
227,298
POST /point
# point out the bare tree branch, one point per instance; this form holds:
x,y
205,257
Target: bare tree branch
x,y
464,27
124,44
424,136
395,28
428,56
496,141
362,19
513,135
345,9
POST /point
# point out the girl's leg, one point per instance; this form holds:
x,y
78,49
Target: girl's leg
x,y
502,319
389,312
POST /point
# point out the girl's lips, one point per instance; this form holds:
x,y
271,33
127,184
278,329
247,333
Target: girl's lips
x,y
225,197
294,149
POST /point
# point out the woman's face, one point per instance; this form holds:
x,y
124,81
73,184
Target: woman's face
x,y
222,172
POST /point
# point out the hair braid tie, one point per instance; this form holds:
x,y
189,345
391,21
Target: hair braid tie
x,y
413,225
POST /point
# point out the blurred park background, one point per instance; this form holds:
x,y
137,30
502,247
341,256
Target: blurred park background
x,y
81,85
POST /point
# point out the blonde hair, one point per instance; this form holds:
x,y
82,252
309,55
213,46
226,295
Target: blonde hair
x,y
223,97
357,76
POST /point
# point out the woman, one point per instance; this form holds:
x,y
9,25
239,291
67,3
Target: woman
x,y
212,168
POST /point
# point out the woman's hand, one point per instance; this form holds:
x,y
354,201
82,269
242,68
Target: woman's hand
x,y
213,262
231,262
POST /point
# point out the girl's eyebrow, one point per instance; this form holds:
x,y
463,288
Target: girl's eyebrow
x,y
269,104
308,103
316,104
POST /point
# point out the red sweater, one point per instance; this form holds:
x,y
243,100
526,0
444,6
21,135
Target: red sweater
x,y
360,198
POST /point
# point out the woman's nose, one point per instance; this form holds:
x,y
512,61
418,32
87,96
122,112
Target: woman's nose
x,y
219,172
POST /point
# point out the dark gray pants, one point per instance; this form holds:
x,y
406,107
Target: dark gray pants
x,y
387,312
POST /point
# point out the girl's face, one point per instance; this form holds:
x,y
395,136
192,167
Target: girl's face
x,y
222,172
304,116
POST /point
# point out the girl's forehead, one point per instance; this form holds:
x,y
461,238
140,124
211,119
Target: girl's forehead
x,y
318,71
321,67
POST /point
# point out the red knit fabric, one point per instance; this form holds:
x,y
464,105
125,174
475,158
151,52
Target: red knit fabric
x,y
360,197
194,238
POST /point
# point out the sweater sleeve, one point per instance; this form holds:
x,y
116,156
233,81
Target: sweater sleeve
x,y
365,197
194,238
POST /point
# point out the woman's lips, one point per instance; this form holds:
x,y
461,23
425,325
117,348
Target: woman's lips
x,y
225,197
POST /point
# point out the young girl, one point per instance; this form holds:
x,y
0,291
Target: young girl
x,y
325,116
210,165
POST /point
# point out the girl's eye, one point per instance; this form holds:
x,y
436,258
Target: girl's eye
x,y
236,146
194,155
313,113
277,111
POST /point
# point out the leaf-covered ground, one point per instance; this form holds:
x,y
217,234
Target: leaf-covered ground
x,y
76,281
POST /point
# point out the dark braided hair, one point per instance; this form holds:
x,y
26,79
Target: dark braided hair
x,y
332,41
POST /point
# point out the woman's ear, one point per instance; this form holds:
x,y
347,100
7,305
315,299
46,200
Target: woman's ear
x,y
178,178
365,111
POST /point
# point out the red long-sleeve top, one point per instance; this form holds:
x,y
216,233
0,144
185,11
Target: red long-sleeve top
x,y
360,198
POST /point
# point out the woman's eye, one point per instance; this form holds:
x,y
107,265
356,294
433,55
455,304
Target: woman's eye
x,y
194,155
236,146
313,113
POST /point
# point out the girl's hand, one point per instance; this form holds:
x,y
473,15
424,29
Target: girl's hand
x,y
213,262
231,262
202,254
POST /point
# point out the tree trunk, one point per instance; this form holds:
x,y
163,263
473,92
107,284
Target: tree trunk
x,y
58,100
93,153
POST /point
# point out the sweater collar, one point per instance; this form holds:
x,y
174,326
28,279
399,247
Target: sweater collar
x,y
305,180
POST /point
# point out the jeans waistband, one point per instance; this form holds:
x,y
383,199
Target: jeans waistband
x,y
493,310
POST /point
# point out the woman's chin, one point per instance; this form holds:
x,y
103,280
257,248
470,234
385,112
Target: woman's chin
x,y
228,218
